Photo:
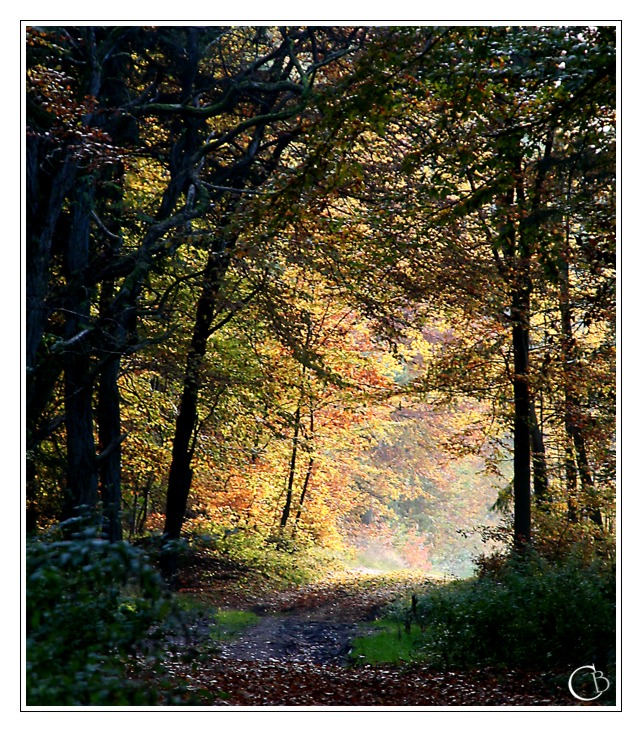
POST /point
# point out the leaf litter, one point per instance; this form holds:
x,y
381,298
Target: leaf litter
x,y
298,654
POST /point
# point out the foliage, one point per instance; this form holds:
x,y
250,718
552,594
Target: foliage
x,y
91,606
526,613
243,242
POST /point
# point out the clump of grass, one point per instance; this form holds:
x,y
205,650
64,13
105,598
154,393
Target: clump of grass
x,y
389,643
225,623
229,623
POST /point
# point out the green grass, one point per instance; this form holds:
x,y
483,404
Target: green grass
x,y
225,623
389,643
229,623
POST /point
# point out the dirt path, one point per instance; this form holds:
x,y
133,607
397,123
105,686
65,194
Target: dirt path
x,y
292,639
297,655
316,623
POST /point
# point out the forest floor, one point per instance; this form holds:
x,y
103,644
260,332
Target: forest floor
x,y
298,653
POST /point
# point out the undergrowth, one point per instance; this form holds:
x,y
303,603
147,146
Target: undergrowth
x,y
245,558
528,612
91,606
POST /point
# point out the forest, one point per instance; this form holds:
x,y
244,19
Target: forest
x,y
320,365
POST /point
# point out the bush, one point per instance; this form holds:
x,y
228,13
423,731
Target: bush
x,y
90,606
528,613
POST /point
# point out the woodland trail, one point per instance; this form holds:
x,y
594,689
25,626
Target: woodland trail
x,y
297,655
317,623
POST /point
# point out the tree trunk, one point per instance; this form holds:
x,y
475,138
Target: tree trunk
x,y
566,321
180,472
521,447
41,226
304,489
586,477
82,479
45,199
540,472
109,435
308,473
576,459
115,327
292,471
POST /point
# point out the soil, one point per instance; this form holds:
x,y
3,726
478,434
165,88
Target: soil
x,y
292,639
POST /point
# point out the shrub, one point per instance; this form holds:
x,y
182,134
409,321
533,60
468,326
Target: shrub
x,y
90,605
530,613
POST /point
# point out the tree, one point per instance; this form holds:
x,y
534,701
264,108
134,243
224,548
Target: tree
x,y
122,91
469,226
195,190
273,77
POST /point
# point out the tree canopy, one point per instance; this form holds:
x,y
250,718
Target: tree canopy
x,y
322,283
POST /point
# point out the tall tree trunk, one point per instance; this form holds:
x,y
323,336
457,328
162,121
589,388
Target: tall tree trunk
x,y
285,515
109,435
567,355
180,472
576,458
304,489
41,227
586,477
308,472
521,447
295,438
82,479
540,472
45,199
520,250
522,247
115,327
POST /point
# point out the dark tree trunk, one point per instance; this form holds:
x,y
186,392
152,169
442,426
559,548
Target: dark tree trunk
x,y
540,472
109,435
522,246
566,319
45,208
180,472
45,198
285,515
115,328
522,448
308,473
576,458
586,477
304,489
82,478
